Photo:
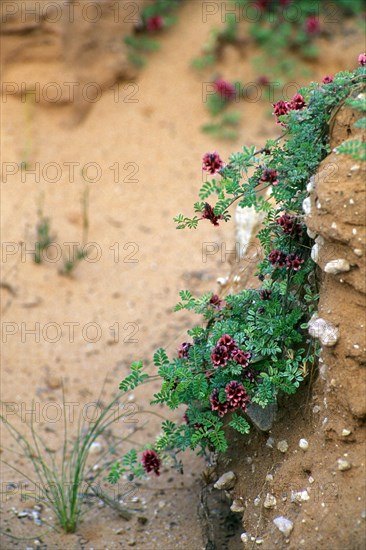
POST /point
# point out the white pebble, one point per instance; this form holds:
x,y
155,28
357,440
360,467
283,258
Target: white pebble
x,y
346,432
337,266
299,496
306,205
284,525
358,252
327,333
304,444
282,446
226,481
270,501
343,464
96,448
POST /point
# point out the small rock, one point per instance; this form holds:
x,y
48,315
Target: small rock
x,y
237,506
269,477
346,432
337,266
358,252
284,525
262,417
306,206
282,446
304,444
270,442
315,253
270,501
257,501
327,333
96,448
244,537
131,542
299,496
316,409
259,541
226,481
311,233
23,514
310,185
343,464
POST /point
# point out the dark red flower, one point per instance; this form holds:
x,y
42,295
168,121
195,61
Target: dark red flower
x,y
285,3
261,310
225,89
293,261
312,25
228,342
269,176
151,462
219,356
289,225
362,59
184,349
277,258
263,80
281,108
212,163
209,214
262,5
155,23
298,102
236,395
216,405
215,301
327,79
241,357
265,294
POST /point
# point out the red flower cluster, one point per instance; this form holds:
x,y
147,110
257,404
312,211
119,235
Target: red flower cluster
x,y
216,405
293,261
327,80
269,176
277,258
212,163
216,302
312,25
184,349
151,462
280,259
265,294
225,89
289,225
209,214
155,23
362,59
236,398
284,107
227,349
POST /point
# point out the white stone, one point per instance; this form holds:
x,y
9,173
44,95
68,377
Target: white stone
x,y
299,496
269,477
306,206
311,185
226,481
319,328
343,464
304,444
247,222
284,525
337,266
346,432
311,233
270,501
282,446
237,506
222,280
357,251
244,537
95,448
315,253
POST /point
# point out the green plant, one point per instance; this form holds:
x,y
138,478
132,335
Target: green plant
x,y
44,237
355,148
285,31
154,18
252,345
80,254
67,483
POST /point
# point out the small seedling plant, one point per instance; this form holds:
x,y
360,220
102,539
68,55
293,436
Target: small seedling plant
x,y
253,345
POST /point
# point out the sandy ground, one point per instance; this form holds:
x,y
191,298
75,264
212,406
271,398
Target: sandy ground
x,y
143,261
